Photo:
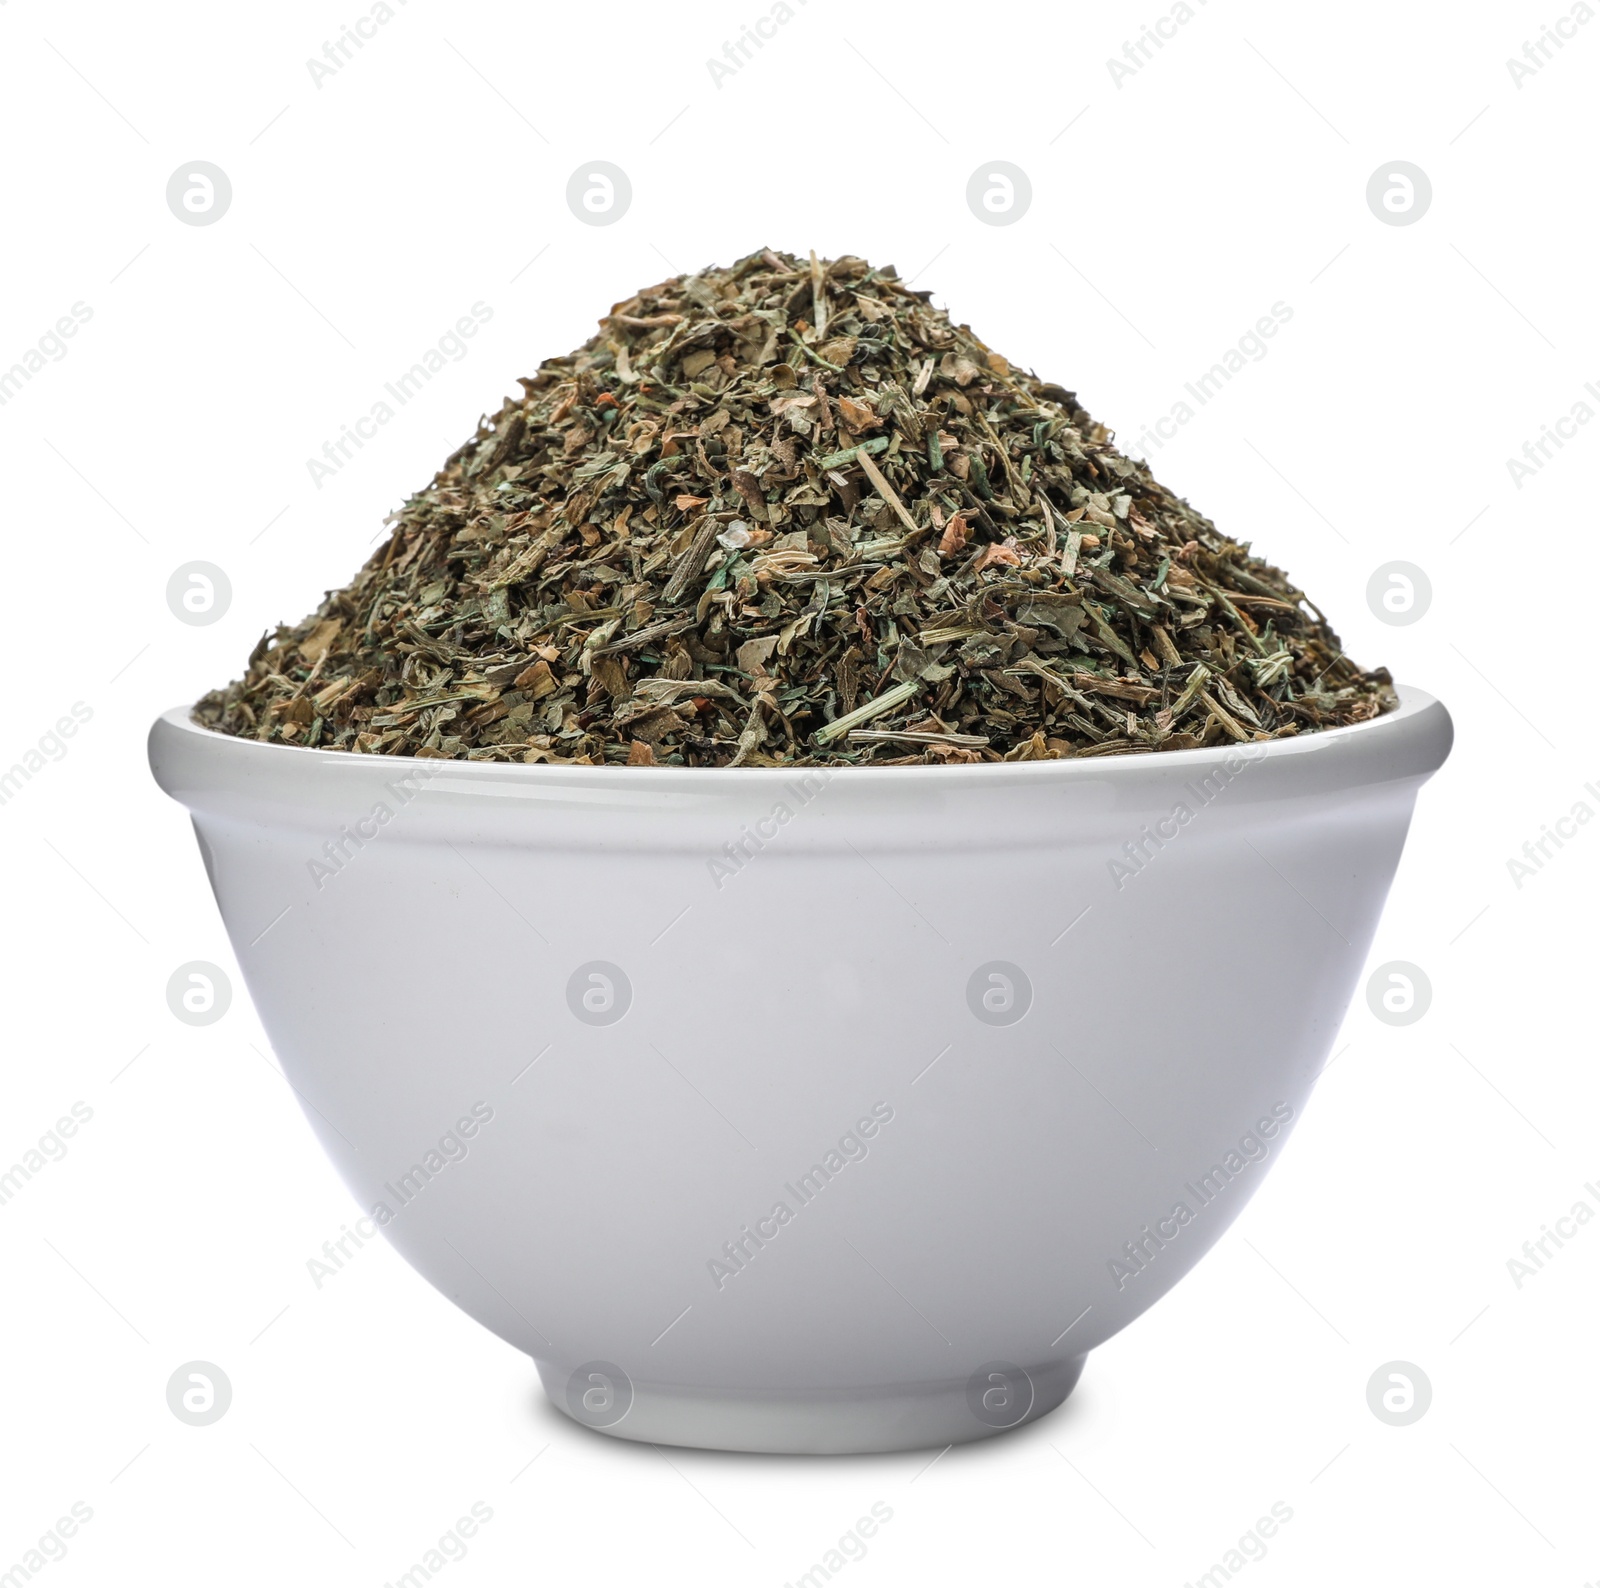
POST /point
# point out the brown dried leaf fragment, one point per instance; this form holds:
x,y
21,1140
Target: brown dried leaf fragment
x,y
954,538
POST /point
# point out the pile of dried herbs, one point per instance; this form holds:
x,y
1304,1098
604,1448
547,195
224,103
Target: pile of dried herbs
x,y
787,513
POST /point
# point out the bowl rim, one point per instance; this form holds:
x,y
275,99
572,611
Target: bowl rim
x,y
1415,738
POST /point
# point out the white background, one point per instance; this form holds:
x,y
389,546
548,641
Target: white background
x,y
1169,213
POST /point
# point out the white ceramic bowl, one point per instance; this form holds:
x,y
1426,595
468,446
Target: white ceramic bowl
x,y
798,1111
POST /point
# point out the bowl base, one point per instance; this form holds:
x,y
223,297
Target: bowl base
x,y
813,1423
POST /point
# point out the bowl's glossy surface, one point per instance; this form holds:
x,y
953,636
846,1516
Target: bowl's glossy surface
x,y
805,1111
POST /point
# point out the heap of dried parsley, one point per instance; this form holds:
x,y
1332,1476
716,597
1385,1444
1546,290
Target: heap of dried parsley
x,y
787,513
